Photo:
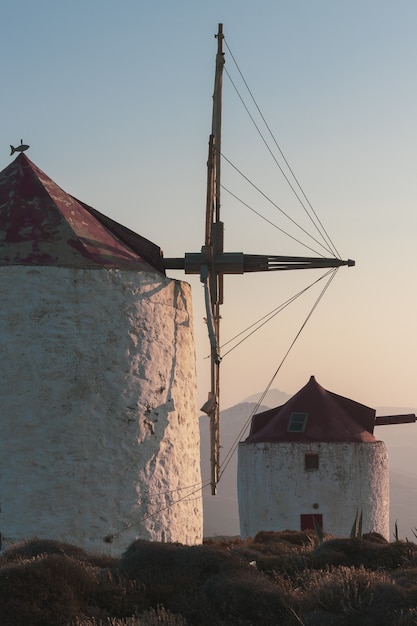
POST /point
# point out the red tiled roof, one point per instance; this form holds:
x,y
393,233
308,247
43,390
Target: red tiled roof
x,y
330,417
40,224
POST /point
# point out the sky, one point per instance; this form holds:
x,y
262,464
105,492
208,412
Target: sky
x,y
115,100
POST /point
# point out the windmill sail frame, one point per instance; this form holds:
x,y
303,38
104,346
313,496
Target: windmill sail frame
x,y
212,263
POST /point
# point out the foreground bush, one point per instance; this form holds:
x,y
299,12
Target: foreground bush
x,y
206,584
151,617
356,552
45,590
285,579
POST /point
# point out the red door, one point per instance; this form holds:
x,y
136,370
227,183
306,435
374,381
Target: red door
x,y
307,521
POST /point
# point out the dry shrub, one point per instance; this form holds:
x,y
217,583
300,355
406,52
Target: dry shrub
x,y
151,565
407,553
273,543
246,597
352,595
406,578
194,566
38,547
356,552
146,559
375,537
201,562
47,583
294,537
151,617
173,574
398,599
405,617
44,591
345,590
287,552
205,584
288,565
117,596
225,543
388,599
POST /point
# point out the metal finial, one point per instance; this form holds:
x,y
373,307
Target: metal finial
x,y
21,148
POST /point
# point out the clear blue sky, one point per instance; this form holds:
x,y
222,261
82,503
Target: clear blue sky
x,y
115,100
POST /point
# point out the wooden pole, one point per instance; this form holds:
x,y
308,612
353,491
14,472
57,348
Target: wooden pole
x,y
215,247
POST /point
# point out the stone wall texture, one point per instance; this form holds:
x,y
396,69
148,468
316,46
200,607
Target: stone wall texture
x,y
99,438
275,489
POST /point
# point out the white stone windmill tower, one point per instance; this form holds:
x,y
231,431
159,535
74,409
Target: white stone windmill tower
x,y
99,427
315,460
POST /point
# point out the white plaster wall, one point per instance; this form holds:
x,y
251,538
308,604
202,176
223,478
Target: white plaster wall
x,y
99,422
274,489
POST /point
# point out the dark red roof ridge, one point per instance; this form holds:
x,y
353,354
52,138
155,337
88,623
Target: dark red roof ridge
x,y
331,417
41,224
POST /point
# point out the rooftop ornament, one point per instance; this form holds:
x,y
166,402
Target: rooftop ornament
x,y
21,148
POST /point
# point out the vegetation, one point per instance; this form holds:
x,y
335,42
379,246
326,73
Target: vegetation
x,y
287,578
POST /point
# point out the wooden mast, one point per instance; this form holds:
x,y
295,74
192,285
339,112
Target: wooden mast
x,y
212,279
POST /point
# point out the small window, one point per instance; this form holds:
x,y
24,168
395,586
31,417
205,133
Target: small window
x,y
297,422
311,461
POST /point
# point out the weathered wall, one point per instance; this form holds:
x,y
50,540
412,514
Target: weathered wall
x,y
99,422
274,488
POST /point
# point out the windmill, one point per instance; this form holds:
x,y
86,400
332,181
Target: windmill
x,y
212,263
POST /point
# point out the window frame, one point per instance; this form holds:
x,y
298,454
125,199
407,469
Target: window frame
x,y
297,422
310,466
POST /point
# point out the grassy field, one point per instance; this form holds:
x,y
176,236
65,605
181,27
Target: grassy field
x,y
277,578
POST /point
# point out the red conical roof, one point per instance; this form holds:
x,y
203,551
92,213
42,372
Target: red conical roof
x,y
320,416
40,224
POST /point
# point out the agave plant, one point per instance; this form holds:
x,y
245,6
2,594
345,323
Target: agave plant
x,y
319,531
357,532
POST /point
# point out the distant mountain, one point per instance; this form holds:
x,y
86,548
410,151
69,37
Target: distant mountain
x,y
221,515
274,397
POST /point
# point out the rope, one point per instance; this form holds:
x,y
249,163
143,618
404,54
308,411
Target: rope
x,y
269,316
233,448
110,537
274,204
323,233
269,221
